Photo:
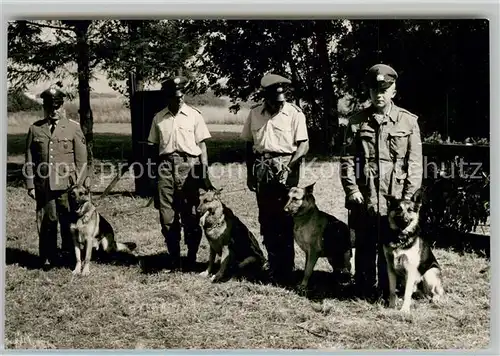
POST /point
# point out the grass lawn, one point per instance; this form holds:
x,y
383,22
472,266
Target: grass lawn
x,y
121,305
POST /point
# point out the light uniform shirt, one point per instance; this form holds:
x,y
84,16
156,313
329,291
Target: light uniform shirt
x,y
179,133
277,134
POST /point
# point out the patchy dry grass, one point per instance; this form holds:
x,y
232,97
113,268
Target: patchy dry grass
x,y
120,306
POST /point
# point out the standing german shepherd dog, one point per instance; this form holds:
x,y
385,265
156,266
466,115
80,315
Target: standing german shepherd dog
x,y
318,234
227,237
408,254
89,228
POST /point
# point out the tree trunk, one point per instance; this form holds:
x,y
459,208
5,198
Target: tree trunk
x,y
83,62
329,122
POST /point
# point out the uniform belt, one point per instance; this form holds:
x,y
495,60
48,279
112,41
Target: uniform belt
x,y
268,155
184,155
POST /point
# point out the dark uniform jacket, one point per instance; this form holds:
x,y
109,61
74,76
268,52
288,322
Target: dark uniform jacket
x,y
382,156
51,158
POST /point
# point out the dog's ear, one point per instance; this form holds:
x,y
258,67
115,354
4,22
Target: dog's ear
x,y
309,189
418,197
201,191
86,182
391,200
71,181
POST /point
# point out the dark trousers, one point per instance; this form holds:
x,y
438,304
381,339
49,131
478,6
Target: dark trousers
x,y
276,227
52,207
370,264
177,202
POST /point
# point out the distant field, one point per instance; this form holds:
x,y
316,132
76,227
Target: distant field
x,y
113,110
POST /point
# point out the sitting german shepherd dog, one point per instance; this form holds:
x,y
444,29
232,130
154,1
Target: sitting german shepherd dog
x,y
319,234
408,254
89,228
227,237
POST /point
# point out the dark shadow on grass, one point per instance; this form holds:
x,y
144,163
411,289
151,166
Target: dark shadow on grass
x,y
162,261
22,258
323,285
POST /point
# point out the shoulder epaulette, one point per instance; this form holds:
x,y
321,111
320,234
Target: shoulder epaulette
x,y
409,113
296,107
195,108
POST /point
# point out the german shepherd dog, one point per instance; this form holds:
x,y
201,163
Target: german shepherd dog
x,y
227,237
319,234
408,254
89,228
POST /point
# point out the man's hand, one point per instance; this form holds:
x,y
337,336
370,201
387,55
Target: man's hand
x,y
357,198
31,192
251,184
283,174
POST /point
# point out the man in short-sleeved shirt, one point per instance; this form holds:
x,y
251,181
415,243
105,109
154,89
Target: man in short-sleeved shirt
x,y
179,133
277,141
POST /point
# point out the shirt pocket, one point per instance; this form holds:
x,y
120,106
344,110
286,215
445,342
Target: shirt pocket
x,y
398,142
185,133
367,137
65,145
283,132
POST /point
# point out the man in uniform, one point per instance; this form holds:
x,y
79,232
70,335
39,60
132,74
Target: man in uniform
x,y
382,155
55,149
178,134
277,141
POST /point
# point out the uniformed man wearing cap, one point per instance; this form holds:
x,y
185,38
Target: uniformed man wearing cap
x,y
179,133
382,155
277,141
55,149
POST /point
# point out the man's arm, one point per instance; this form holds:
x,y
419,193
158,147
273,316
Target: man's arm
x,y
29,169
413,179
301,137
347,164
80,154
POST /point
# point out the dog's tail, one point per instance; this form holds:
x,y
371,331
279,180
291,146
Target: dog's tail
x,y
126,246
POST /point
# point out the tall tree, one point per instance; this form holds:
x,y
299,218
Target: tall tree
x,y
241,51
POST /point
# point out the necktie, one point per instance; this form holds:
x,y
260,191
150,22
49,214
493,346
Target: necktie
x,y
52,126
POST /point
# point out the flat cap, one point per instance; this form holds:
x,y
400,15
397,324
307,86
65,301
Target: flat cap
x,y
175,85
52,94
269,80
381,76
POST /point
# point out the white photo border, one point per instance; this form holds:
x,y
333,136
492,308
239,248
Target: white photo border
x,y
13,10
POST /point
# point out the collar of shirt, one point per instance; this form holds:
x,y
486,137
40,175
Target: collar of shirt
x,y
182,110
392,113
282,110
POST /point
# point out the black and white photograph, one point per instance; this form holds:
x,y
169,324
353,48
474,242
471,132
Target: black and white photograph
x,y
257,184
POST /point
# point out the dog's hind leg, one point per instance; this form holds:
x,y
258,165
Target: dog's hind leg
x,y
433,284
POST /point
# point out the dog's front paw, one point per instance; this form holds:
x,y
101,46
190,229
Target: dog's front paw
x,y
77,270
86,270
392,302
216,278
302,289
204,274
405,309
